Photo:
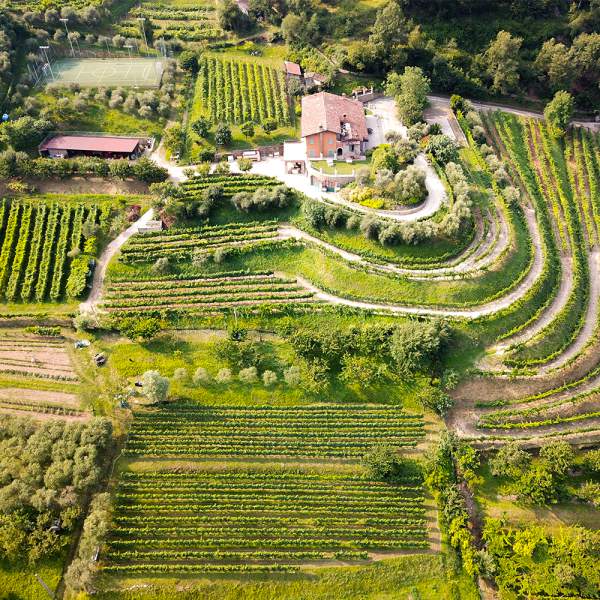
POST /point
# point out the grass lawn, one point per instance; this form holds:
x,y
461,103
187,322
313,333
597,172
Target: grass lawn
x,y
340,167
18,580
190,350
335,275
100,118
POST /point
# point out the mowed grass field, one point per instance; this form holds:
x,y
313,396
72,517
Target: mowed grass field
x,y
107,72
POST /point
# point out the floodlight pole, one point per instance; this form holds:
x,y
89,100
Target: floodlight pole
x,y
143,25
44,48
64,22
45,586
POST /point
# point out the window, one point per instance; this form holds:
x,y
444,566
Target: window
x,y
330,153
311,140
330,141
312,154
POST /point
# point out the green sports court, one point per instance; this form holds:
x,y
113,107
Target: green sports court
x,y
107,72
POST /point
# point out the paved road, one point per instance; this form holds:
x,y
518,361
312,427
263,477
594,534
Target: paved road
x,y
491,106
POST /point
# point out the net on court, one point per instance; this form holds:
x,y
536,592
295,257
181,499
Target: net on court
x,y
106,72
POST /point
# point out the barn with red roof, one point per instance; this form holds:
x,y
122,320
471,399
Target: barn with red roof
x,y
102,146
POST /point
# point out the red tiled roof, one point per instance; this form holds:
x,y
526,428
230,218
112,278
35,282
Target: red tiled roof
x,y
328,112
292,68
91,143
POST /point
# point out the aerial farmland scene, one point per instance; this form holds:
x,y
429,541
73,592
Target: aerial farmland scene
x,y
300,299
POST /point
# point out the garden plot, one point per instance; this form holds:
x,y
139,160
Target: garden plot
x,y
230,184
41,403
323,431
240,519
187,21
192,294
37,241
237,91
35,357
179,244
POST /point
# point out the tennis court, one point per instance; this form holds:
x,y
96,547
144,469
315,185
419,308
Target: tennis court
x,y
107,72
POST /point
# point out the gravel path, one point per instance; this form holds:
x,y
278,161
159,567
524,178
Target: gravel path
x,y
90,305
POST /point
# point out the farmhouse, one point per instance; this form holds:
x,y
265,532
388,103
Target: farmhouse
x,y
333,126
65,146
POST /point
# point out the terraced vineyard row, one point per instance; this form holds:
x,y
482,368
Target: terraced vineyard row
x,y
191,23
36,246
193,295
240,91
181,243
258,520
187,431
561,177
544,168
229,184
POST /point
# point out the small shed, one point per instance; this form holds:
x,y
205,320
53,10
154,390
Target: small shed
x,y
292,70
312,80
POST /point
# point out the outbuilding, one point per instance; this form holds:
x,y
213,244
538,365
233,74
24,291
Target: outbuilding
x,y
67,146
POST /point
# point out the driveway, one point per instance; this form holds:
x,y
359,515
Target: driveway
x,y
384,109
90,305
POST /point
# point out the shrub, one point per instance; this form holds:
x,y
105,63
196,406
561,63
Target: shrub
x,y
222,168
223,135
269,378
292,375
155,386
384,463
201,376
188,61
201,127
244,164
510,461
249,375
85,322
181,375
223,376
162,266
140,328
